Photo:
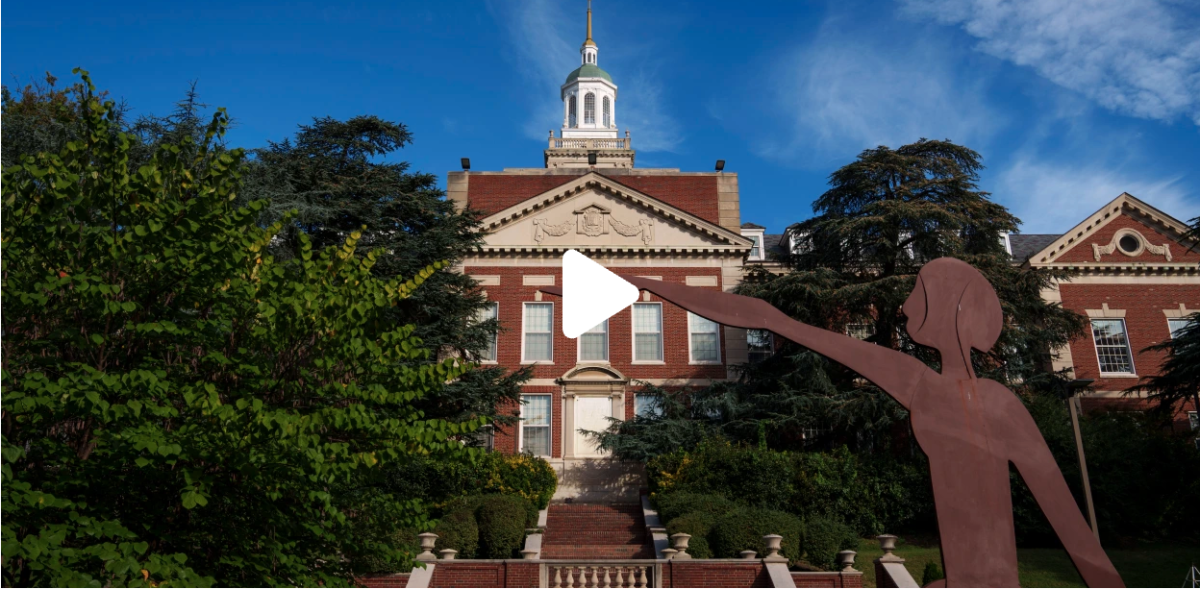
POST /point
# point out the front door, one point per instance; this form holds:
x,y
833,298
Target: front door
x,y
591,414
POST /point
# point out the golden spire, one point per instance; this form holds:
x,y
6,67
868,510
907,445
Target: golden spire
x,y
589,40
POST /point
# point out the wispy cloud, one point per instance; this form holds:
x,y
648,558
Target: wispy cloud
x,y
849,88
546,39
1051,197
1136,57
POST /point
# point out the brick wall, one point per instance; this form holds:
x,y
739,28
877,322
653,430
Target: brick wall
x,y
691,573
699,573
397,580
511,293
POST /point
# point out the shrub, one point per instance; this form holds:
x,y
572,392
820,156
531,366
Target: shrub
x,y
522,475
501,520
459,531
744,530
932,573
698,524
873,495
755,476
824,538
674,505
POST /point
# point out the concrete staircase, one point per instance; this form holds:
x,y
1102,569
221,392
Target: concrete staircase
x,y
595,531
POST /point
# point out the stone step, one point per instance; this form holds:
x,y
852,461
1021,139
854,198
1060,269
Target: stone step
x,y
595,531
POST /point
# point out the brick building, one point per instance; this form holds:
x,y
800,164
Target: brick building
x,y
1137,281
661,223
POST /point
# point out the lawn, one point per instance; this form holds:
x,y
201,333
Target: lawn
x,y
1147,565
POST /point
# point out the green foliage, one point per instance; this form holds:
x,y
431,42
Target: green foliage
x,y
1177,380
337,176
755,476
824,538
502,521
436,479
673,505
697,524
529,477
744,530
458,530
181,407
933,572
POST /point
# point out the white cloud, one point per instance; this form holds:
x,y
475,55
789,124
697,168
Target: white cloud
x,y
847,90
1052,197
547,37
1136,57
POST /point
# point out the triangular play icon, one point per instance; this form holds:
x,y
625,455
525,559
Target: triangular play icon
x,y
591,294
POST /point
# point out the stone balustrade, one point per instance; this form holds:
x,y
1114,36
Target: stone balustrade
x,y
600,575
561,143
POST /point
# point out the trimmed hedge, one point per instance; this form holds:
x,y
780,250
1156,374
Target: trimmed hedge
x,y
458,530
501,520
674,505
824,538
744,530
436,480
698,524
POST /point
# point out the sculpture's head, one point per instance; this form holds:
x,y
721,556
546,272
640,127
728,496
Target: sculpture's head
x,y
953,307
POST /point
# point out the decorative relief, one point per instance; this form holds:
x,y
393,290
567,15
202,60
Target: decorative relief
x,y
1130,243
542,227
645,228
593,221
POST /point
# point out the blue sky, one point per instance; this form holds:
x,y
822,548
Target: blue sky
x,y
1070,102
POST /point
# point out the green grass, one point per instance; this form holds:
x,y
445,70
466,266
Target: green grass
x,y
1146,565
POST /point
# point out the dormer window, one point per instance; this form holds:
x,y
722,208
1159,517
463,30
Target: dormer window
x,y
755,234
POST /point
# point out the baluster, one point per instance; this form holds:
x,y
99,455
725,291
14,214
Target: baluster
x,y
570,576
643,581
557,576
595,576
607,577
632,582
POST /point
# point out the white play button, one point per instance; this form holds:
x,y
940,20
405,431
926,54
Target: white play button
x,y
591,294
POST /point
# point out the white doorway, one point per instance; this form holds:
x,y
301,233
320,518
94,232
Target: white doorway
x,y
592,413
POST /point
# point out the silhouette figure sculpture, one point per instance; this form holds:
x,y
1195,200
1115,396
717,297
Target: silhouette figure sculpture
x,y
970,429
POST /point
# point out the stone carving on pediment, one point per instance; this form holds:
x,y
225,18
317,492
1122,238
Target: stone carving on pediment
x,y
1132,244
542,228
590,220
645,228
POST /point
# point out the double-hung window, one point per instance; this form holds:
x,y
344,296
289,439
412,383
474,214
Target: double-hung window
x,y
535,424
704,340
647,405
1112,346
593,344
647,332
1177,325
489,313
538,333
760,344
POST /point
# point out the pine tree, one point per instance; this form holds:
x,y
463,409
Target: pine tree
x,y
335,175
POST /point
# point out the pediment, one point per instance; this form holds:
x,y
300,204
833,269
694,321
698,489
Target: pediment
x,y
1125,231
594,212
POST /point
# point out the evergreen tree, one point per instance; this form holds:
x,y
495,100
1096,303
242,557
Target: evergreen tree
x,y
335,175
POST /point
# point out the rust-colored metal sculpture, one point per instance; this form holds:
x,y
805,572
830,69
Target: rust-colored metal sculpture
x,y
970,429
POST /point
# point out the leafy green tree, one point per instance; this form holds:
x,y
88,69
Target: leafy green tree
x,y
43,116
180,407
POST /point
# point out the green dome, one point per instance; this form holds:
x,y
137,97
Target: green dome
x,y
587,70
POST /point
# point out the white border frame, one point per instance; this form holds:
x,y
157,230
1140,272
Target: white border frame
x,y
524,309
496,337
1170,332
549,425
662,337
607,348
693,361
770,343
1128,348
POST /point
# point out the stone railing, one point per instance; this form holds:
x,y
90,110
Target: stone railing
x,y
594,574
560,143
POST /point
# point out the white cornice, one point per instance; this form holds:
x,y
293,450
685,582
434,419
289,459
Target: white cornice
x,y
1155,218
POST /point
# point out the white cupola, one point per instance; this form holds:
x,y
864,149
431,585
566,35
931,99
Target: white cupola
x,y
589,95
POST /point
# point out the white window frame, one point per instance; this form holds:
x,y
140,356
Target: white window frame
x,y
770,345
572,112
524,332
607,111
579,346
549,425
662,347
645,397
692,360
495,336
1184,321
1128,349
589,114
760,240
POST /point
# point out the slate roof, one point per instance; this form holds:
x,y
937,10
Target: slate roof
x,y
752,226
1027,244
776,244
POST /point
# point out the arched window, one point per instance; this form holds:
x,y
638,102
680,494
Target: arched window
x,y
571,112
589,109
607,114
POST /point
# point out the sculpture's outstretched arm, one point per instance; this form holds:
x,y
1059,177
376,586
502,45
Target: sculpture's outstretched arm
x,y
1027,450
894,372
